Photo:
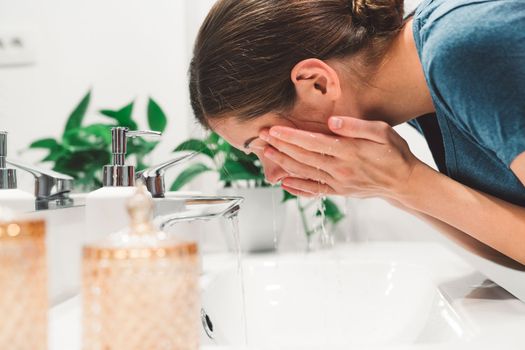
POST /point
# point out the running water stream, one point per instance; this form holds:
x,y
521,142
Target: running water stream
x,y
234,220
323,235
326,238
274,223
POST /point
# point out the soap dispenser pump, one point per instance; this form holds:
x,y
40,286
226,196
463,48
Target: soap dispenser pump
x,y
105,207
10,196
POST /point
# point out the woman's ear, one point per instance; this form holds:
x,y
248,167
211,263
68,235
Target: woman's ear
x,y
316,82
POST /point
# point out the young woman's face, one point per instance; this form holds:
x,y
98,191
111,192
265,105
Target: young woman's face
x,y
244,135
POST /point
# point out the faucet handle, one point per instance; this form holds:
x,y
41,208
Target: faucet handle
x,y
48,183
153,177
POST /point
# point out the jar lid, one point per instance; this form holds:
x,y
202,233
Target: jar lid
x,y
140,210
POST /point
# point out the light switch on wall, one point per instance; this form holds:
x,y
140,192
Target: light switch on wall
x,y
16,48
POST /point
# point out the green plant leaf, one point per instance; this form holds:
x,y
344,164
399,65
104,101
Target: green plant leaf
x,y
123,116
82,161
45,143
331,211
77,116
73,141
89,181
98,133
254,169
188,175
212,139
235,171
94,136
156,117
287,196
223,146
55,154
141,147
195,146
238,155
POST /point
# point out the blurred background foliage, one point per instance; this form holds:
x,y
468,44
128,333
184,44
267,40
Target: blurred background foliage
x,y
83,149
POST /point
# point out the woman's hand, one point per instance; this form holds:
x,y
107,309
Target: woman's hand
x,y
367,159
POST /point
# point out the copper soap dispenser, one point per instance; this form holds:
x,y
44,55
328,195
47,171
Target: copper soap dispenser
x,y
23,283
140,287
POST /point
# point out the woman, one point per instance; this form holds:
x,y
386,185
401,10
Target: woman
x,y
313,88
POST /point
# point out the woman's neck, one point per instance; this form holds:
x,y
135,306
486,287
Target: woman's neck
x,y
398,91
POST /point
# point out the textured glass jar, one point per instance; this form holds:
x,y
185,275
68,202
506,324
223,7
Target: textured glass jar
x,y
140,288
23,285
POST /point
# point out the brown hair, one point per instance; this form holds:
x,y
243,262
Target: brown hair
x,y
246,49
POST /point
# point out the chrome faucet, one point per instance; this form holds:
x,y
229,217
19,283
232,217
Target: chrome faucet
x,y
201,208
51,188
154,177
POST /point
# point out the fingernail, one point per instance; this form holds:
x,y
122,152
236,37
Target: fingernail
x,y
264,135
274,133
336,123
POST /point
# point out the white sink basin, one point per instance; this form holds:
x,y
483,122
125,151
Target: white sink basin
x,y
355,297
314,303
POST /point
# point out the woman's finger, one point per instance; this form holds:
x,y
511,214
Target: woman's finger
x,y
376,131
311,141
297,192
308,186
313,159
294,167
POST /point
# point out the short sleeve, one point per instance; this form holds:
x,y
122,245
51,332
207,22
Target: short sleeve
x,y
477,72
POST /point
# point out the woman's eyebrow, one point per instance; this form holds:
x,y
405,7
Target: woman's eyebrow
x,y
250,140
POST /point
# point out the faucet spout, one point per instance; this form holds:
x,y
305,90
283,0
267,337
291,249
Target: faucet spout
x,y
202,208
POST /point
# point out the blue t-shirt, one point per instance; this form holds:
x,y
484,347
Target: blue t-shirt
x,y
473,57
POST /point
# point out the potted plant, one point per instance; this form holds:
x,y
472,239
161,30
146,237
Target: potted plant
x,y
263,215
83,149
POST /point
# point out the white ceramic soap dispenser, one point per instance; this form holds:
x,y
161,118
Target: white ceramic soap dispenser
x,y
10,196
105,207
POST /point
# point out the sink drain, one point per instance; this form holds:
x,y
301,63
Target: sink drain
x,y
207,324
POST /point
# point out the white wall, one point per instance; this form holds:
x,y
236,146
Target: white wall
x,y
122,49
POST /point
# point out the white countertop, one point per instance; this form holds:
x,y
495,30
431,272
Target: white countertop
x,y
496,317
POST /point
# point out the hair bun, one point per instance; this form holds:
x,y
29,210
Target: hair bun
x,y
378,16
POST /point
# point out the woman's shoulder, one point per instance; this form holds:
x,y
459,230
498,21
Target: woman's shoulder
x,y
472,54
464,28
472,44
